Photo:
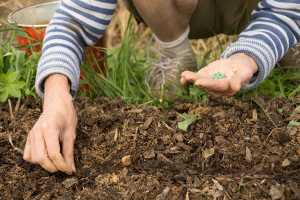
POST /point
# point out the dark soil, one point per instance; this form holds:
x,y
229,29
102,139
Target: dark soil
x,y
236,150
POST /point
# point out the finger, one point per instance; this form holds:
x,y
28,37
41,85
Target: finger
x,y
188,77
53,150
39,153
217,86
27,149
68,148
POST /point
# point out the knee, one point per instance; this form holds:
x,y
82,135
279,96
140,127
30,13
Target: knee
x,y
186,6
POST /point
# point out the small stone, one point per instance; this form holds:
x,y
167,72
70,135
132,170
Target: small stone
x,y
286,163
126,161
68,183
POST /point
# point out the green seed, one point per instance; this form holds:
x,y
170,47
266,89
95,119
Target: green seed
x,y
218,76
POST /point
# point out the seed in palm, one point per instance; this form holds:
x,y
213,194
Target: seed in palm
x,y
218,76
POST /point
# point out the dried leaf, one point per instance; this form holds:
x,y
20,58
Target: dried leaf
x,y
276,192
148,122
207,153
248,155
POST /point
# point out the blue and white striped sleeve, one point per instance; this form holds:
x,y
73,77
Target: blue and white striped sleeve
x,y
75,25
274,28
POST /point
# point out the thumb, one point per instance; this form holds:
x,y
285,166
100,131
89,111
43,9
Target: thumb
x,y
68,148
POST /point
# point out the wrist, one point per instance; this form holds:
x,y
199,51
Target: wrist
x,y
246,60
57,87
57,83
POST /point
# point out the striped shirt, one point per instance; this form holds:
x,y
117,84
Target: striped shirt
x,y
274,28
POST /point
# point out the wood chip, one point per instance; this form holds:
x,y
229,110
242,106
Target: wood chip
x,y
298,152
164,194
149,154
218,185
148,123
276,192
114,179
286,163
248,155
126,161
254,115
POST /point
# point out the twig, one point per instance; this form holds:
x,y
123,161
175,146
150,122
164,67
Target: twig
x,y
12,144
11,110
17,107
265,112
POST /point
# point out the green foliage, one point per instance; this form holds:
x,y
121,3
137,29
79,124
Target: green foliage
x,y
10,86
187,121
281,83
17,71
127,68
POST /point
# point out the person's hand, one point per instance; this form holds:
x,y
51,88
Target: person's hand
x,y
237,71
50,143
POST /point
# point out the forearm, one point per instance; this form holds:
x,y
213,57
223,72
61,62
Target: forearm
x,y
75,25
272,31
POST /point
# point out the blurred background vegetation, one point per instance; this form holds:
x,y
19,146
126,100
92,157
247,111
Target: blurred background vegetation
x,y
128,58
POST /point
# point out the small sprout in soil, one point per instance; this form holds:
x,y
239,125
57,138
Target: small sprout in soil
x,y
293,123
126,161
218,76
188,120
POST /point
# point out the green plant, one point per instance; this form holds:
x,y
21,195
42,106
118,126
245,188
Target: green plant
x,y
187,121
17,69
126,71
10,86
281,83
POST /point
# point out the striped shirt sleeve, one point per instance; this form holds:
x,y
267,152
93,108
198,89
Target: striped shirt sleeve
x,y
75,25
274,28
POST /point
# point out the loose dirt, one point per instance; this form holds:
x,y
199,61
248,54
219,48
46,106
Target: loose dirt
x,y
235,150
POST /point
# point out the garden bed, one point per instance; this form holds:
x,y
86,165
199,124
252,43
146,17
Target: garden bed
x,y
235,150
